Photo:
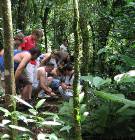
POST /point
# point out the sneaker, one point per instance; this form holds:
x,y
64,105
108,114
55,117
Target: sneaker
x,y
68,94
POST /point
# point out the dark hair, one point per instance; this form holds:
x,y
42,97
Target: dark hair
x,y
38,33
68,67
56,53
72,58
34,51
65,40
61,69
19,37
50,64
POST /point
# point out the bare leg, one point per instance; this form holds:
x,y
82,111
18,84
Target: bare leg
x,y
26,93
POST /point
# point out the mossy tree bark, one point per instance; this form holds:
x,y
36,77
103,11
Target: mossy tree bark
x,y
21,21
1,33
85,44
44,19
8,59
76,103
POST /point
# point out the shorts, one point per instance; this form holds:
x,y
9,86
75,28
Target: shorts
x,y
30,70
2,76
22,81
55,84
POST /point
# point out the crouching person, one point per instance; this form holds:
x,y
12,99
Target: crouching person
x,y
42,81
66,88
21,59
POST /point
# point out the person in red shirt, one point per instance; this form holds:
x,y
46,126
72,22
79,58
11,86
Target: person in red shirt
x,y
29,43
31,40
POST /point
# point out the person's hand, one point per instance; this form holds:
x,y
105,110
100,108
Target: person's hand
x,y
64,86
49,90
53,94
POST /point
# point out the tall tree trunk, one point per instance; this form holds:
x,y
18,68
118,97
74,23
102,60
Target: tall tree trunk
x,y
85,45
93,37
76,103
35,11
1,39
22,9
54,27
8,58
1,33
44,24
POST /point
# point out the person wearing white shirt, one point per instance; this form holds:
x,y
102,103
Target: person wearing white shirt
x,y
66,88
64,45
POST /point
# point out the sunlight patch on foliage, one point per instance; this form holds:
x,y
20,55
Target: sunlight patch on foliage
x,y
125,77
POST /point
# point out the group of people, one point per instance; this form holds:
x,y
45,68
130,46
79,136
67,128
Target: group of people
x,y
36,74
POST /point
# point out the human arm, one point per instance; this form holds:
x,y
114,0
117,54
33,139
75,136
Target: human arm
x,y
65,86
63,48
2,52
22,46
43,82
22,65
68,84
46,58
19,48
53,73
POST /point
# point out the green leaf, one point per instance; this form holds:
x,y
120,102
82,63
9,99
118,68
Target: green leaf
x,y
133,46
128,60
115,98
22,101
84,116
103,50
131,3
52,123
82,108
42,136
128,77
81,97
123,108
49,113
67,107
40,103
66,128
19,128
87,78
5,111
53,137
127,112
23,118
4,122
96,81
33,111
5,137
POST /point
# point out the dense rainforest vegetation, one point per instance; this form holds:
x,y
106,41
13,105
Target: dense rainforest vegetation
x,y
101,39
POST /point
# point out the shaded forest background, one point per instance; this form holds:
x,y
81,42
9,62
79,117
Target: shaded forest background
x,y
107,57
107,29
